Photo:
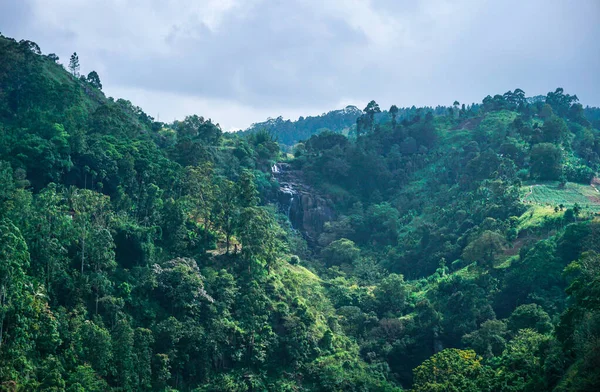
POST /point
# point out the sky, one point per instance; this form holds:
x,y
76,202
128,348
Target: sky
x,y
242,61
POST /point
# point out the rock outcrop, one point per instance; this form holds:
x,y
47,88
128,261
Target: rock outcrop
x,y
307,210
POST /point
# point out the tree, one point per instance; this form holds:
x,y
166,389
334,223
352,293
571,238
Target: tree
x,y
198,128
530,316
95,347
124,356
523,362
485,247
84,379
455,109
372,109
342,251
257,231
14,260
489,340
576,210
201,192
554,130
94,80
361,124
546,161
560,102
394,113
226,209
519,96
391,294
74,65
247,192
181,286
143,341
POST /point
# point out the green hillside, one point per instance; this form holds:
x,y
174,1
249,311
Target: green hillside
x,y
446,249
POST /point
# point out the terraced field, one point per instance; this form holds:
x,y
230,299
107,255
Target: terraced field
x,y
551,195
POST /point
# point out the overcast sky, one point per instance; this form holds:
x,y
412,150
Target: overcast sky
x,y
241,61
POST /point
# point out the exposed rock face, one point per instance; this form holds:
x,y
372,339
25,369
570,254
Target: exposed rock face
x,y
306,209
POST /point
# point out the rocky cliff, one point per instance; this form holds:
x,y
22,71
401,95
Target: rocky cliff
x,y
306,209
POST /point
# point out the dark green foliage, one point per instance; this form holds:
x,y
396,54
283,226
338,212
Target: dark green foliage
x,y
290,132
139,255
530,316
546,161
94,80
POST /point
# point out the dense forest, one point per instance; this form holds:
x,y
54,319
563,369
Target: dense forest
x,y
344,121
446,249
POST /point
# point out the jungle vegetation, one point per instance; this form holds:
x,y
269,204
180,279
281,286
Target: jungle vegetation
x,y
141,255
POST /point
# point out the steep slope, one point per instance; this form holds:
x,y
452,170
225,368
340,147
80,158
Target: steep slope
x,y
135,254
441,199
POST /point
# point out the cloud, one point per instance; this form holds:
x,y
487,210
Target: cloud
x,y
266,57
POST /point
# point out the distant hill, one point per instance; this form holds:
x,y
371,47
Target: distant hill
x,y
290,132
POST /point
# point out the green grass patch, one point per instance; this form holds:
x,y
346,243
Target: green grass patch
x,y
536,217
503,116
455,138
506,263
550,194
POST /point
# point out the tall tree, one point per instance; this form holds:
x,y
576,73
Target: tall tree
x,y
371,109
394,114
74,64
94,80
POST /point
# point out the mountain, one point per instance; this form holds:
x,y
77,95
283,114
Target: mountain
x,y
431,249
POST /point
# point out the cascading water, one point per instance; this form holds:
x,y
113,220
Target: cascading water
x,y
287,192
306,209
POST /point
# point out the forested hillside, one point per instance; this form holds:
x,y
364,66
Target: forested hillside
x,y
344,121
446,249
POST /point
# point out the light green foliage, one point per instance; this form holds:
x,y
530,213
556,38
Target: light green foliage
x,y
391,294
552,194
342,251
95,344
453,370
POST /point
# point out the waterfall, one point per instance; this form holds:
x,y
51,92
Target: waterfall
x,y
287,189
290,206
306,209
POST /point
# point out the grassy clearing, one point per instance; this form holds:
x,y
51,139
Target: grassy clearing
x,y
551,195
503,116
536,216
506,262
456,138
